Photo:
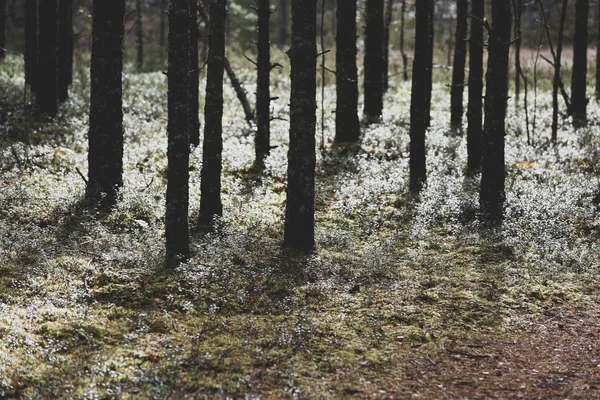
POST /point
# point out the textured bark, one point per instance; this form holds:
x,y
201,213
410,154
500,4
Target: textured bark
x,y
474,110
458,71
2,29
492,194
210,187
48,48
194,88
65,48
404,57
283,23
139,35
31,44
389,13
518,4
177,206
263,92
578,79
373,63
105,156
300,206
430,61
556,83
419,109
347,125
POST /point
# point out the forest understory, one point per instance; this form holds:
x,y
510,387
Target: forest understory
x,y
405,296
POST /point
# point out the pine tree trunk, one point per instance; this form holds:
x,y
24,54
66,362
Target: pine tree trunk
x,y
65,48
139,35
2,29
194,123
578,79
557,67
419,95
210,188
404,57
347,125
373,63
429,65
31,44
492,195
283,23
300,206
105,156
389,13
458,71
48,48
474,111
518,11
263,92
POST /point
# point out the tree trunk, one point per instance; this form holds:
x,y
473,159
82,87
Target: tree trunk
x,y
429,76
31,44
404,57
373,63
300,206
389,13
194,88
105,156
474,111
283,23
492,195
177,202
65,48
419,95
557,67
578,79
139,35
48,48
2,29
263,92
518,12
458,71
210,188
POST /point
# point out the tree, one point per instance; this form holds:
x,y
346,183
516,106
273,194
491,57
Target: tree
x,y
458,71
65,48
177,202
210,187
404,57
419,109
300,206
492,195
2,29
518,6
474,110
194,118
31,44
389,13
347,125
263,92
429,66
557,83
139,35
46,100
579,77
105,156
373,62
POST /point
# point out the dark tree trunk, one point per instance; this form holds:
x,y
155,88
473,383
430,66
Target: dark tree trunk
x,y
283,23
419,109
177,206
474,111
163,7
518,12
105,156
492,195
389,13
48,48
65,48
373,63
598,52
578,80
263,92
139,35
2,29
300,206
429,76
404,57
210,188
194,123
347,125
31,44
458,71
556,83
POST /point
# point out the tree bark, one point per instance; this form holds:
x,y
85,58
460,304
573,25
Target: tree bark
x,y
210,188
518,13
419,109
263,92
404,57
578,79
300,206
194,88
177,202
458,71
474,110
105,156
557,67
347,125
389,13
65,48
31,44
139,35
2,29
48,48
492,194
373,62
429,76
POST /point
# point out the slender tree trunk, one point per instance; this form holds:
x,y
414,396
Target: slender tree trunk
x,y
557,67
419,95
48,48
139,35
429,66
31,44
373,63
2,29
492,195
177,202
283,23
300,206
105,156
194,122
579,77
65,48
210,188
347,125
458,71
598,52
474,112
263,92
404,57
518,12
389,13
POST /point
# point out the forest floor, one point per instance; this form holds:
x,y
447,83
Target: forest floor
x,y
405,296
